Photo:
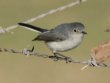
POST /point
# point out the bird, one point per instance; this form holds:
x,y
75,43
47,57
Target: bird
x,y
63,37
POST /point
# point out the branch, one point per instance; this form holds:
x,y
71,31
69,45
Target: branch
x,y
27,52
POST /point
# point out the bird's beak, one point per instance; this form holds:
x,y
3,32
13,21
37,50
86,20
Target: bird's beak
x,y
84,32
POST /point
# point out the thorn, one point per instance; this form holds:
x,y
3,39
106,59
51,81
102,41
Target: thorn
x,y
32,49
27,52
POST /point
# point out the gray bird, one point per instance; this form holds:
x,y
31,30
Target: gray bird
x,y
63,37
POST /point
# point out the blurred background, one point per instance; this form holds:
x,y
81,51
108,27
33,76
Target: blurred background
x,y
16,68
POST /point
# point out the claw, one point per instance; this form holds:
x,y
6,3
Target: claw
x,y
68,59
55,58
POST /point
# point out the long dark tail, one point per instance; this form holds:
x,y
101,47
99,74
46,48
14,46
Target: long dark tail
x,y
33,27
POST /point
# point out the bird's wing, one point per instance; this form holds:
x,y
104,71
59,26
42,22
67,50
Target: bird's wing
x,y
50,36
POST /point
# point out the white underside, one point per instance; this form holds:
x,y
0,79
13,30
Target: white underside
x,y
72,42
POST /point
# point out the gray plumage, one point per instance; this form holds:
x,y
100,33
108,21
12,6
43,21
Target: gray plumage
x,y
62,38
60,33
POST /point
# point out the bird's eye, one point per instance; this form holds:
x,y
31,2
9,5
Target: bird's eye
x,y
75,30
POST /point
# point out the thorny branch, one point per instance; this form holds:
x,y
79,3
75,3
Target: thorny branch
x,y
31,52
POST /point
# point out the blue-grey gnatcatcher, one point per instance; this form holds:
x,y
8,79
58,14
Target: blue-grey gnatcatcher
x,y
62,38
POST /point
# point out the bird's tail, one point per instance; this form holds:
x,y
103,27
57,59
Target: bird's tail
x,y
33,28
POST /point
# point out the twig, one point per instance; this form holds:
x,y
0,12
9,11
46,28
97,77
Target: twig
x,y
32,53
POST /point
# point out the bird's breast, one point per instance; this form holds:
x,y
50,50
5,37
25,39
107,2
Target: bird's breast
x,y
65,45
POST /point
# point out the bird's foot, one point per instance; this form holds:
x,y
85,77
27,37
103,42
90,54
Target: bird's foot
x,y
68,59
56,58
63,57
